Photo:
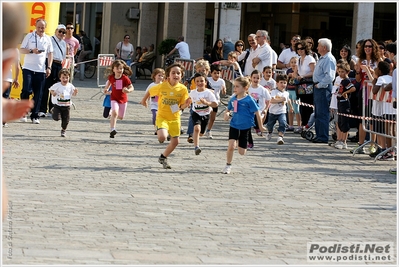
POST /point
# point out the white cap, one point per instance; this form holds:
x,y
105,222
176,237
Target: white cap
x,y
61,26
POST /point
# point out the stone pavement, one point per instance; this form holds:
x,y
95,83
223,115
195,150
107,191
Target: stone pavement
x,y
89,199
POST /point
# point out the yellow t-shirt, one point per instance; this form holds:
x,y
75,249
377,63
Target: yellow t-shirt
x,y
169,99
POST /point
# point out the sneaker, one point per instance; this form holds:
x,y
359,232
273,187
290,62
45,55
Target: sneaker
x,y
5,125
280,140
358,150
41,114
23,119
290,128
209,134
227,169
164,162
376,152
387,157
268,136
372,149
112,134
190,139
392,171
35,121
298,130
339,145
197,151
250,146
63,133
51,110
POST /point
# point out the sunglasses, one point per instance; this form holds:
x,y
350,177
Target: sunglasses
x,y
300,48
296,39
63,32
240,45
69,28
368,46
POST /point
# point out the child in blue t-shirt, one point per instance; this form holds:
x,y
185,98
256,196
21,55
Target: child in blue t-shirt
x,y
107,103
241,110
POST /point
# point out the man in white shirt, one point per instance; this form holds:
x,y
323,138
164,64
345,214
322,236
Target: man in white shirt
x,y
283,61
264,57
36,45
182,48
59,54
253,53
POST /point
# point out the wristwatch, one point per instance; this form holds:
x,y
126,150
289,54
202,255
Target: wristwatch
x,y
30,51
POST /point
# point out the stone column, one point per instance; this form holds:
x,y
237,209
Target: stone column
x,y
229,21
193,28
363,17
148,24
173,20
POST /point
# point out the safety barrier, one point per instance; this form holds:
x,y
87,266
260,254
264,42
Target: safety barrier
x,y
103,62
379,120
189,66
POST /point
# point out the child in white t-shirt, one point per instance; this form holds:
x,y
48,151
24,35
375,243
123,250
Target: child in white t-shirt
x,y
203,101
262,97
278,109
267,80
219,86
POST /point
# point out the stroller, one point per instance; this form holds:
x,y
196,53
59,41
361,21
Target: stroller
x,y
308,134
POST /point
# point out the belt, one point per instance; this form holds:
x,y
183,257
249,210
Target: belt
x,y
57,61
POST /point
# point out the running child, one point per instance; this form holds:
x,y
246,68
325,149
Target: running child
x,y
107,103
203,101
63,91
278,109
157,77
121,86
241,110
172,97
218,85
262,98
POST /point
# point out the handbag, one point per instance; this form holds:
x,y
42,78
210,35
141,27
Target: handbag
x,y
304,86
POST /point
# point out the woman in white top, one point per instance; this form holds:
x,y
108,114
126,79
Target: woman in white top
x,y
304,71
124,50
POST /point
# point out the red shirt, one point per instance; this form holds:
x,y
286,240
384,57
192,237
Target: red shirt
x,y
117,84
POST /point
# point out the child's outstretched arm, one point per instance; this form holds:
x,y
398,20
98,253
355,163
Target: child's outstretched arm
x,y
128,89
186,103
106,87
260,123
226,115
145,99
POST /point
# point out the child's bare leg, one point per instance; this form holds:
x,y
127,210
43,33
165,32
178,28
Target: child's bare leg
x,y
230,150
174,141
212,118
114,115
197,129
162,135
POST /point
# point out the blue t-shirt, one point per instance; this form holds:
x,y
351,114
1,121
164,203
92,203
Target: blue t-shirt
x,y
244,117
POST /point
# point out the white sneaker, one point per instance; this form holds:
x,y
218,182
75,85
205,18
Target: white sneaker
x,y
227,169
35,121
339,145
280,141
209,135
23,119
41,114
268,136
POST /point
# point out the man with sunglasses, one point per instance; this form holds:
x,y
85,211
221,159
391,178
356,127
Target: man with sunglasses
x,y
285,56
59,54
73,45
36,46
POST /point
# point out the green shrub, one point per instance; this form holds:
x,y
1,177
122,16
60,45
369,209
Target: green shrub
x,y
166,46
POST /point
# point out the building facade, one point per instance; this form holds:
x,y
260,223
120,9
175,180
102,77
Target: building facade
x,y
202,23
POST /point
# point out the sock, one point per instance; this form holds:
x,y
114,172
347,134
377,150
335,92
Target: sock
x,y
207,130
228,163
162,156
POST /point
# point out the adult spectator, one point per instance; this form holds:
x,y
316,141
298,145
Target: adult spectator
x,y
124,50
59,54
264,58
285,56
217,51
239,47
273,55
228,46
182,48
304,71
138,54
73,45
359,44
368,58
36,45
323,76
87,48
145,60
346,54
310,43
249,54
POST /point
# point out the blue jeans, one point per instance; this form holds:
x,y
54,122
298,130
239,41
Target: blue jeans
x,y
282,122
190,128
321,100
33,82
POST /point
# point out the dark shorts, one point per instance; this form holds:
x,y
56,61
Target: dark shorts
x,y
240,135
215,109
344,107
200,120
